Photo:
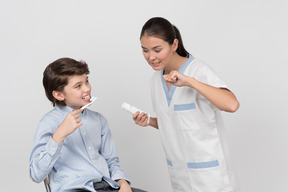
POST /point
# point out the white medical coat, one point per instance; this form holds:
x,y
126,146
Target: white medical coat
x,y
191,131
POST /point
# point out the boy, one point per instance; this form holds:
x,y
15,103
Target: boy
x,y
74,147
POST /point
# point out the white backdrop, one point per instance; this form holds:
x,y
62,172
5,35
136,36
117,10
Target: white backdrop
x,y
245,42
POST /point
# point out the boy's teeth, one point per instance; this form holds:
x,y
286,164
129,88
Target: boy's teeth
x,y
87,97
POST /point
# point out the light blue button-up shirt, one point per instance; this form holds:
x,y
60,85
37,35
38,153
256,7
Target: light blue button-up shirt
x,y
87,155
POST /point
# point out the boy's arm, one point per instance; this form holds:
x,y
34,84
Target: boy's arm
x,y
108,151
44,154
71,122
48,145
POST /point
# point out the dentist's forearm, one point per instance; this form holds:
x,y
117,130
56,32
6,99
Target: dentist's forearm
x,y
220,97
153,122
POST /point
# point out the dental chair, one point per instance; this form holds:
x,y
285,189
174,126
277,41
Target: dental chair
x,y
47,184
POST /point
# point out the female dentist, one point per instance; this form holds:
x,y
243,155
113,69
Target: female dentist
x,y
187,98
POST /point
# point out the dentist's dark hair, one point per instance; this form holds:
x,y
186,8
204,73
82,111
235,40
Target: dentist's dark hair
x,y
57,74
163,29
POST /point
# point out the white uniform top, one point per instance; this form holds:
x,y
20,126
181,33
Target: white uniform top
x,y
191,131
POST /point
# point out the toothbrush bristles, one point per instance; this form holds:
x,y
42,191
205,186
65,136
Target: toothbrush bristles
x,y
93,99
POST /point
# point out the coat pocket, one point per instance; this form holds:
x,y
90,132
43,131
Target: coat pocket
x,y
205,176
179,179
184,107
186,116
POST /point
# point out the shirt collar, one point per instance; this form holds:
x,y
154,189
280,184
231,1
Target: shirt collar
x,y
186,63
64,109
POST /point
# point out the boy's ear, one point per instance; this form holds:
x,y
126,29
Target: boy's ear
x,y
58,95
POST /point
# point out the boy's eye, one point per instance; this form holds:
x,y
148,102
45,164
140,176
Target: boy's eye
x,y
78,86
145,50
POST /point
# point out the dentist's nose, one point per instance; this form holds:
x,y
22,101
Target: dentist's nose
x,y
152,57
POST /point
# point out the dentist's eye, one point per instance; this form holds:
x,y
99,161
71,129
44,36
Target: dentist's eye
x,y
158,50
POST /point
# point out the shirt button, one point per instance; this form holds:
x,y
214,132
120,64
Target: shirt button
x,y
47,164
53,148
89,148
84,133
58,148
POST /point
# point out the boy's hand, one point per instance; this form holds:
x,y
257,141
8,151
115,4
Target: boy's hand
x,y
71,122
124,186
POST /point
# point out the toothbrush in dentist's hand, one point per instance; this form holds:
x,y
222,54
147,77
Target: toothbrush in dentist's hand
x,y
92,101
133,110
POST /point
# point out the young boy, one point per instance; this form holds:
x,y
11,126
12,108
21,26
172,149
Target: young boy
x,y
74,147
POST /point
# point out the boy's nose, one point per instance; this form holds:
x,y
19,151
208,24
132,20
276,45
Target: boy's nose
x,y
87,88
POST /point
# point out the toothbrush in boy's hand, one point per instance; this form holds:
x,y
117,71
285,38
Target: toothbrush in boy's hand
x,y
133,110
87,105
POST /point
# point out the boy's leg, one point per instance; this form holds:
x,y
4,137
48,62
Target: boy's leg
x,y
98,190
103,186
137,190
116,190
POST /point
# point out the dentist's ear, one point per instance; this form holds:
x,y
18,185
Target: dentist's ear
x,y
58,95
175,44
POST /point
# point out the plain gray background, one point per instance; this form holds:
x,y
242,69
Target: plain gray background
x,y
245,42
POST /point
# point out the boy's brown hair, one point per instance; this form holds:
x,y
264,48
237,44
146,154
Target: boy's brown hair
x,y
57,74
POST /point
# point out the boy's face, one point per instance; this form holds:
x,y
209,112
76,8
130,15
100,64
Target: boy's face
x,y
76,93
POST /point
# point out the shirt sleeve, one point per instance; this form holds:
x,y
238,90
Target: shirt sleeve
x,y
108,151
45,151
207,75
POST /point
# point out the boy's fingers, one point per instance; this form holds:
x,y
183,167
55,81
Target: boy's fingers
x,y
77,111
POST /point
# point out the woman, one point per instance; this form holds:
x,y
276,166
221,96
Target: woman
x,y
187,98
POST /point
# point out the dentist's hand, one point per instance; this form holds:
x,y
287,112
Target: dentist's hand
x,y
176,78
140,119
71,122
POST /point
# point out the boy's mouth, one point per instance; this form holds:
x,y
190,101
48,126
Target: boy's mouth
x,y
86,97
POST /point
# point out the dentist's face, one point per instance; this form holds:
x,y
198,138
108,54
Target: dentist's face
x,y
157,52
